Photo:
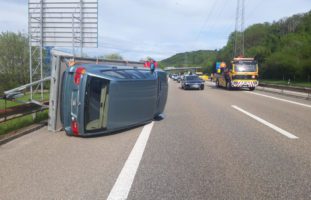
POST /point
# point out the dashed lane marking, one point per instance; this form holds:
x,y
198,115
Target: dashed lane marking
x,y
274,127
279,99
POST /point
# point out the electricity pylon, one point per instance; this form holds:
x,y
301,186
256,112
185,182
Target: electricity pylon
x,y
239,29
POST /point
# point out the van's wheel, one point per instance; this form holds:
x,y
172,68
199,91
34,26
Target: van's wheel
x,y
202,87
252,88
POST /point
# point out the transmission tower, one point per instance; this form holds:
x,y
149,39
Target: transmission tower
x,y
239,29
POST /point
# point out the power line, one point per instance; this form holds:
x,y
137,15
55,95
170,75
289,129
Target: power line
x,y
206,19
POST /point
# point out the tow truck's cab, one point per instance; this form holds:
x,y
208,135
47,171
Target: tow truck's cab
x,y
242,73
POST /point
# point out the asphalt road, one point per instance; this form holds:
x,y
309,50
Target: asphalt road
x,y
204,148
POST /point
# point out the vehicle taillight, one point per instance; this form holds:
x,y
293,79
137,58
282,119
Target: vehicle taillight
x,y
74,127
253,76
78,75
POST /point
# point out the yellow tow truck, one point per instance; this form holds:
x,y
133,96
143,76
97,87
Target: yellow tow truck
x,y
242,73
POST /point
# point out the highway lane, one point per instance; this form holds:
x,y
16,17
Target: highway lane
x,y
216,152
45,165
202,149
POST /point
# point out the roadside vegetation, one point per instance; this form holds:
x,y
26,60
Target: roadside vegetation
x,y
22,122
14,72
14,60
25,98
18,123
282,49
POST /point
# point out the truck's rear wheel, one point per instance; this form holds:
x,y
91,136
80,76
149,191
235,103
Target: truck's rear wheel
x,y
252,88
217,83
228,85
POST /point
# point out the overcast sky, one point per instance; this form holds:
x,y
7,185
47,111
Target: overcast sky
x,y
161,28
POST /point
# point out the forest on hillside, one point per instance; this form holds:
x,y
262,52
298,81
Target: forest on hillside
x,y
282,49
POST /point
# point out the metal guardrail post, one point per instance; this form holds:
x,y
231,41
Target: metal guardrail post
x,y
4,109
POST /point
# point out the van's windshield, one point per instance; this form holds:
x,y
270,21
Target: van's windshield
x,y
96,103
245,67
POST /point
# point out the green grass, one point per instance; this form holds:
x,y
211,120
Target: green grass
x,y
21,122
24,121
23,98
281,82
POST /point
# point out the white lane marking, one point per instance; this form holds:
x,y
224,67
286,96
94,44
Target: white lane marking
x,y
126,177
288,101
283,132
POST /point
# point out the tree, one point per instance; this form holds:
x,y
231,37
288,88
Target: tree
x,y
14,60
281,48
113,56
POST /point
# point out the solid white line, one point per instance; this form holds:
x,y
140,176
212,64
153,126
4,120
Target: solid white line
x,y
283,132
126,177
288,101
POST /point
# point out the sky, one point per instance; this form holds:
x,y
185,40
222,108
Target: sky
x,y
159,29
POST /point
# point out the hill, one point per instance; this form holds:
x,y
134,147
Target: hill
x,y
202,58
282,48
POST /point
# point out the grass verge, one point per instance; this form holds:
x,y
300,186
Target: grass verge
x,y
21,122
281,82
23,98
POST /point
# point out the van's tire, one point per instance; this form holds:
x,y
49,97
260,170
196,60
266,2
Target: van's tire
x,y
202,87
251,88
158,117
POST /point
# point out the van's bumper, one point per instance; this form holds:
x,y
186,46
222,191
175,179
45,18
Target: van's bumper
x,y
244,83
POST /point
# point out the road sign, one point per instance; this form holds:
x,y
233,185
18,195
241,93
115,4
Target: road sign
x,y
68,23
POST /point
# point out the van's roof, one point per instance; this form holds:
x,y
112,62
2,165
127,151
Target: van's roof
x,y
95,67
118,72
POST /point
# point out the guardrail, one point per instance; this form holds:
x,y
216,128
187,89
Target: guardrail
x,y
20,111
284,88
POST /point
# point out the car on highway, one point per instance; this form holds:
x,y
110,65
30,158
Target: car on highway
x,y
179,78
192,82
175,77
99,99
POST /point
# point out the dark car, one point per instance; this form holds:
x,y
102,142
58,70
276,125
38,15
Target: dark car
x,y
99,99
192,82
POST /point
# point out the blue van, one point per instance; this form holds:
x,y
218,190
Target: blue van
x,y
98,99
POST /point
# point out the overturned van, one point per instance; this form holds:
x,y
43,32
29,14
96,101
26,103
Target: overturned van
x,y
98,99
